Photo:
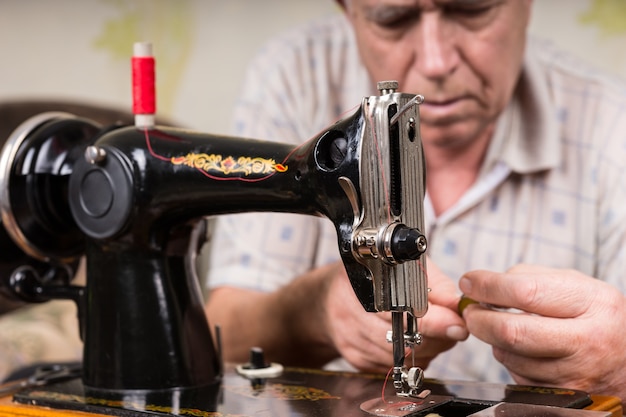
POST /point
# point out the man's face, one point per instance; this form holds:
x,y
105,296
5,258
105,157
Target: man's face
x,y
463,56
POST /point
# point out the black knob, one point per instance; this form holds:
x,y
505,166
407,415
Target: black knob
x,y
407,244
257,359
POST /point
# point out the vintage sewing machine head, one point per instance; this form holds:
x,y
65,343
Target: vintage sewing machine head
x,y
130,198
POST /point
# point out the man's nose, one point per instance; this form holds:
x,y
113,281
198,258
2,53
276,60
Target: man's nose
x,y
436,53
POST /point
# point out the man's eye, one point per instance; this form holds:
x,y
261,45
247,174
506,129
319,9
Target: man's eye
x,y
393,18
469,12
395,23
475,17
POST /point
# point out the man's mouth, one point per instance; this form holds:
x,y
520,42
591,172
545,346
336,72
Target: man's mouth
x,y
442,102
442,108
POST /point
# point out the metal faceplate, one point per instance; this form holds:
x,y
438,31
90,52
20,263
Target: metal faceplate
x,y
392,171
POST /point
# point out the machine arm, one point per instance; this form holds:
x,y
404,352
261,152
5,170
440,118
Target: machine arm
x,y
128,198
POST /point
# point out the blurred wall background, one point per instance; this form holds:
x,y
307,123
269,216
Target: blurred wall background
x,y
80,49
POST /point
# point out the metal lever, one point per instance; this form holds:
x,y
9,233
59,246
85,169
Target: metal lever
x,y
42,375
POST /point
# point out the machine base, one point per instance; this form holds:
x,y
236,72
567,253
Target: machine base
x,y
307,392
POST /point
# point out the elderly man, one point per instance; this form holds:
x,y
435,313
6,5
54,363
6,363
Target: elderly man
x,y
524,209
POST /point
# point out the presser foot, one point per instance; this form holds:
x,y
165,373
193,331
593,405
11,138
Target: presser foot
x,y
410,397
408,382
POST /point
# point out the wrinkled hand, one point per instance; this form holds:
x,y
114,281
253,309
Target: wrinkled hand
x,y
570,334
360,336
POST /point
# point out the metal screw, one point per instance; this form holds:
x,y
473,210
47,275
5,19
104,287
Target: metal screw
x,y
421,243
95,154
387,87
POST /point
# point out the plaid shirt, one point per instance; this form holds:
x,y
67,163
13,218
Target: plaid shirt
x,y
551,191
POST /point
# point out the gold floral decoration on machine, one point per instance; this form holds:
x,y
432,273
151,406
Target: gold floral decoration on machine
x,y
229,165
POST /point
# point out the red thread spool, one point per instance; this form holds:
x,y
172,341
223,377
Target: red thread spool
x,y
143,78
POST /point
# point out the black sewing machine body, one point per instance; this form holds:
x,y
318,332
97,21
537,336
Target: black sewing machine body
x,y
128,199
143,242
131,210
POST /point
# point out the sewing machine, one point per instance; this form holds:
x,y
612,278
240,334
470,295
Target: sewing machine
x,y
131,200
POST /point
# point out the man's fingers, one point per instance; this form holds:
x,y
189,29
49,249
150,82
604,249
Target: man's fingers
x,y
539,291
523,334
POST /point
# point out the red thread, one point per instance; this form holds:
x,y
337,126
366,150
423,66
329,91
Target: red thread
x,y
149,145
382,394
144,101
400,403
